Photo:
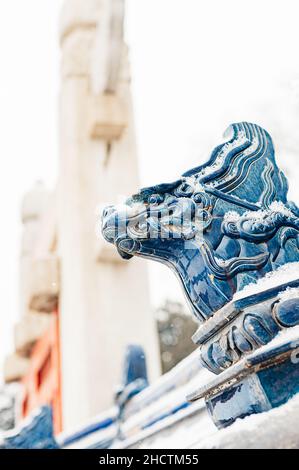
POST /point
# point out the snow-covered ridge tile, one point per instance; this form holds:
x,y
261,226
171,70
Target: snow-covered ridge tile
x,y
286,273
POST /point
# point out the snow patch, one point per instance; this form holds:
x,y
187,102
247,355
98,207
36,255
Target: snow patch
x,y
226,149
277,428
284,336
278,206
286,273
232,216
253,148
275,207
289,293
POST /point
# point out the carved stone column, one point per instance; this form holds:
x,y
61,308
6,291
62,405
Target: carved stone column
x,y
98,163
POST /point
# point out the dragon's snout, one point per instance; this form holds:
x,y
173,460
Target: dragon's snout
x,y
114,230
109,223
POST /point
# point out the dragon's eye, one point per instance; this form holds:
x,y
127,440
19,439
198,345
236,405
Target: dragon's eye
x,y
184,190
155,199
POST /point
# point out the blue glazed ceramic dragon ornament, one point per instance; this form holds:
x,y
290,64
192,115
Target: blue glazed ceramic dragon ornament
x,y
222,227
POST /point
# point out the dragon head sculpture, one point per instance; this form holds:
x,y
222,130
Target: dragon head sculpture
x,y
220,226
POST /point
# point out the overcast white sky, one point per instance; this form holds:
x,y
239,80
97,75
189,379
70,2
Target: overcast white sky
x,y
197,66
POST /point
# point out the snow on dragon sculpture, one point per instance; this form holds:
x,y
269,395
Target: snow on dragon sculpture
x,y
222,227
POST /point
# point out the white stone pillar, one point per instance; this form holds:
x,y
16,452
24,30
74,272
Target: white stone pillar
x,y
104,301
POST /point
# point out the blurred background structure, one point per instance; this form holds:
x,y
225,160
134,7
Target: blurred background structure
x,y
77,313
175,329
75,310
